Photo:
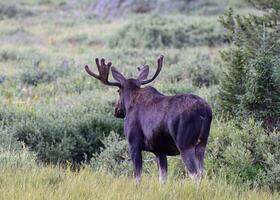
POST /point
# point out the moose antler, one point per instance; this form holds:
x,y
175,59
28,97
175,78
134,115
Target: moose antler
x,y
104,70
159,67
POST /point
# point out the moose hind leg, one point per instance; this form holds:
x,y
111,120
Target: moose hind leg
x,y
189,158
162,166
136,157
199,152
187,135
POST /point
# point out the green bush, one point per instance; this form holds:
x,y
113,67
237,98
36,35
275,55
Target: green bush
x,y
13,154
251,86
57,133
6,55
202,72
113,157
244,153
12,11
7,140
21,159
177,32
210,95
35,73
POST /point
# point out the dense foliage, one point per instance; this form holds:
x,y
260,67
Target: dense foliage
x,y
114,156
175,32
246,155
57,136
251,83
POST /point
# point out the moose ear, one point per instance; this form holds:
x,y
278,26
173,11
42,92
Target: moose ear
x,y
143,73
117,75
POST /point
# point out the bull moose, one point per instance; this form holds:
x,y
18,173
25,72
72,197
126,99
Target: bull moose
x,y
163,125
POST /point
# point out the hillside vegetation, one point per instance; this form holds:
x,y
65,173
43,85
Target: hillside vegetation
x,y
58,135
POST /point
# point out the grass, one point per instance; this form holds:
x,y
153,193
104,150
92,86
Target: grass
x,y
56,183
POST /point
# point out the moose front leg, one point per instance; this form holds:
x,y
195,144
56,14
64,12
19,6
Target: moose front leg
x,y
162,166
136,156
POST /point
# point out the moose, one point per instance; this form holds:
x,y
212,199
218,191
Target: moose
x,y
163,125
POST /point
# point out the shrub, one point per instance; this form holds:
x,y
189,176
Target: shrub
x,y
113,157
35,73
6,55
21,159
13,154
244,153
202,72
159,32
11,11
7,140
210,95
59,134
250,85
112,9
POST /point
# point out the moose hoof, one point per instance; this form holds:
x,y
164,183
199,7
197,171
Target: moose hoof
x,y
137,180
195,177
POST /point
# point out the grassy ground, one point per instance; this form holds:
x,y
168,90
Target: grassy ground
x,y
54,183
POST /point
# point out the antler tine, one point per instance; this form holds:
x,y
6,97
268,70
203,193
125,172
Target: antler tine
x,y
90,72
104,70
159,67
139,68
97,64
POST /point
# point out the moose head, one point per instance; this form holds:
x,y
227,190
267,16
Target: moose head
x,y
163,125
127,86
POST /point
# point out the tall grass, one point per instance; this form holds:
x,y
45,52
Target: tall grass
x,y
55,183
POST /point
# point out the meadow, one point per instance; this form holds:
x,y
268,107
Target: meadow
x,y
58,136
55,183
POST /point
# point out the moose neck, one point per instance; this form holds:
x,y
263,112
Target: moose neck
x,y
139,95
128,98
